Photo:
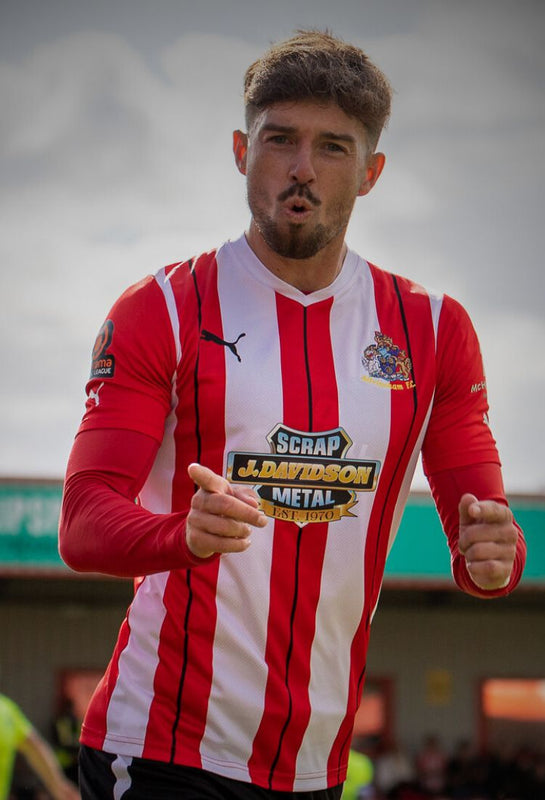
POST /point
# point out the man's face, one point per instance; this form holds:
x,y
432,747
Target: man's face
x,y
305,165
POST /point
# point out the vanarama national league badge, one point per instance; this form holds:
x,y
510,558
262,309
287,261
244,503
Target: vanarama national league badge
x,y
103,363
307,477
387,364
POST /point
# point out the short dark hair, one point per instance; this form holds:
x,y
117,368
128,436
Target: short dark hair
x,y
319,66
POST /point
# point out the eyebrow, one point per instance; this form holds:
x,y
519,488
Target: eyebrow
x,y
339,137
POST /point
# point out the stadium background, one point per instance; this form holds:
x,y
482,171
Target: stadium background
x,y
432,651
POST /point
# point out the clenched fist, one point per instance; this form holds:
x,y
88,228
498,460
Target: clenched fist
x,y
487,540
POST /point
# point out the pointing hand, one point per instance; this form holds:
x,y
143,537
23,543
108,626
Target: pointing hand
x,y
221,516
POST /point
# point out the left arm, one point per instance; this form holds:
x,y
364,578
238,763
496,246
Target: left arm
x,y
487,546
463,468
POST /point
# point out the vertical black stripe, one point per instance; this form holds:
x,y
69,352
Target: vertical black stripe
x,y
179,697
408,340
307,369
415,409
184,667
394,474
196,371
297,562
288,660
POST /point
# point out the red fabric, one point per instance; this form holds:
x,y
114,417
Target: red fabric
x,y
458,433
102,529
485,482
136,393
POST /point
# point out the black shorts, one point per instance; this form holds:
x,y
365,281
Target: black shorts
x,y
104,776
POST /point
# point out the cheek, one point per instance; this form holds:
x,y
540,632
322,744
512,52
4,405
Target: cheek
x,y
261,182
344,194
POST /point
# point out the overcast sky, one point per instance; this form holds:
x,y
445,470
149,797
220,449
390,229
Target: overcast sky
x,y
115,137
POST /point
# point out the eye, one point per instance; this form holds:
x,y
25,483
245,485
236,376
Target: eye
x,y
334,147
278,138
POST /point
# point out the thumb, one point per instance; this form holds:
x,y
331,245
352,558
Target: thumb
x,y
468,509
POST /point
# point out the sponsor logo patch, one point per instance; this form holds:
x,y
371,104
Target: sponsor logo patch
x,y
307,477
103,363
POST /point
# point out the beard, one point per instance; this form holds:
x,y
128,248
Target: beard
x,y
293,243
297,241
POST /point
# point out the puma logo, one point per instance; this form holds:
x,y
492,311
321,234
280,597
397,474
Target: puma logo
x,y
211,337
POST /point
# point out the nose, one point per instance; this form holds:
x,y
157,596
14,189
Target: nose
x,y
302,166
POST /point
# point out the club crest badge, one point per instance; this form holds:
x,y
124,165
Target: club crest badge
x,y
385,361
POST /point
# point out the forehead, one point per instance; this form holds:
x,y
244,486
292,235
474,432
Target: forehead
x,y
310,116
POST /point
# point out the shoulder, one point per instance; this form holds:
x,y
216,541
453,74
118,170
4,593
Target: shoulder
x,y
185,273
160,283
409,292
405,298
401,286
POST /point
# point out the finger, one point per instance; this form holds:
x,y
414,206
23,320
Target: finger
x,y
472,510
468,509
483,542
490,574
498,550
216,485
246,494
207,479
490,512
208,533
228,506
206,544
219,525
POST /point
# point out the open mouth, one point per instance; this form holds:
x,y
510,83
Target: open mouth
x,y
297,212
298,208
299,199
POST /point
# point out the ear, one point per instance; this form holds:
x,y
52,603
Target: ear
x,y
240,148
373,168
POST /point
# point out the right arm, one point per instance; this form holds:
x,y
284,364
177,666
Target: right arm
x,y
103,530
43,762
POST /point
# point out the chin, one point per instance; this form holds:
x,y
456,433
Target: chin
x,y
295,244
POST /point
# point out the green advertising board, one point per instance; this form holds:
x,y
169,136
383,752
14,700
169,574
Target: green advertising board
x,y
29,516
29,519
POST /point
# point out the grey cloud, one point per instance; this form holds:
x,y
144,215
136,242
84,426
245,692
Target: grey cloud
x,y
116,162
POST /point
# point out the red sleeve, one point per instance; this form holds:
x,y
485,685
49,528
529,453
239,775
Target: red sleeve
x,y
485,482
133,365
102,529
458,433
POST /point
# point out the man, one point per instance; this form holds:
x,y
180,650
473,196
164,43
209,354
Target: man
x,y
17,735
266,403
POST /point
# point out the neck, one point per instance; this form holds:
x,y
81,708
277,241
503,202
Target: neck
x,y
306,274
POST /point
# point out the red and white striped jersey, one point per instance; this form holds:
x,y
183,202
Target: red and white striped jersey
x,y
252,665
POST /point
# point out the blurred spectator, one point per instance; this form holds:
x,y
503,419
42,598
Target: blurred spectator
x,y
466,773
66,732
17,735
431,765
359,777
393,770
539,776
